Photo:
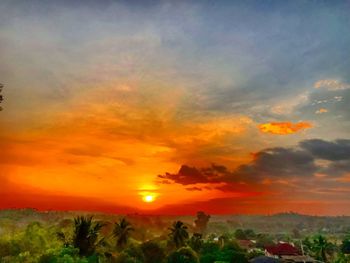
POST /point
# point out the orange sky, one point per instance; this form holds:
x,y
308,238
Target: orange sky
x,y
106,106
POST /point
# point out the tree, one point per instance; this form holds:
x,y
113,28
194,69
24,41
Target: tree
x,y
244,234
232,252
183,255
341,258
209,249
322,248
201,222
85,236
1,97
178,234
135,252
152,252
239,234
121,232
196,242
345,246
124,257
263,240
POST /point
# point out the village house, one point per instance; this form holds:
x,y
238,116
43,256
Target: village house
x,y
287,253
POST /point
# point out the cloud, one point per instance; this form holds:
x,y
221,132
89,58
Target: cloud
x,y
278,162
194,188
283,128
278,165
328,96
273,163
332,151
331,84
321,110
188,175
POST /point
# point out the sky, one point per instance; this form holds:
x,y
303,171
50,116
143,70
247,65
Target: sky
x,y
170,107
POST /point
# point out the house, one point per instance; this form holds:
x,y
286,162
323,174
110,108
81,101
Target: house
x,y
287,253
282,249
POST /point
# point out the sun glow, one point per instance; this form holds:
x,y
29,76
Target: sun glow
x,y
148,198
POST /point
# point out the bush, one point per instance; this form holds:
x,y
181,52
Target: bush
x,y
183,255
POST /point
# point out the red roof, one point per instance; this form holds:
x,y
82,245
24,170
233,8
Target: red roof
x,y
283,249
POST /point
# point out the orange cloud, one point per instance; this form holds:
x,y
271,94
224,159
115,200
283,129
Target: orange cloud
x,y
322,110
283,128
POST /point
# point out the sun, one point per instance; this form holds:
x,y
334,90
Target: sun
x,y
148,198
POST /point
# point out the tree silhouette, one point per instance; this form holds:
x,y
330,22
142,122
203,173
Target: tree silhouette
x,y
178,234
121,232
85,236
1,97
196,242
201,222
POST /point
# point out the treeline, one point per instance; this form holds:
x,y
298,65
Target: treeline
x,y
86,240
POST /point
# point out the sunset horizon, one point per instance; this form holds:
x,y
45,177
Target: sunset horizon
x,y
174,107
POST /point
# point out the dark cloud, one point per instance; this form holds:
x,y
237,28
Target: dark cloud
x,y
194,188
337,168
273,164
185,176
332,151
279,162
191,175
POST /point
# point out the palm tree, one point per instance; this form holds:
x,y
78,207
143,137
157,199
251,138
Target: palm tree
x,y
321,247
178,234
85,236
122,231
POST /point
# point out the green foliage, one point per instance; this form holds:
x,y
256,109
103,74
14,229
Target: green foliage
x,y
342,258
263,240
66,254
121,232
85,236
232,256
345,246
183,255
152,252
135,252
28,245
124,257
230,252
321,248
244,234
178,234
196,242
63,240
255,253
